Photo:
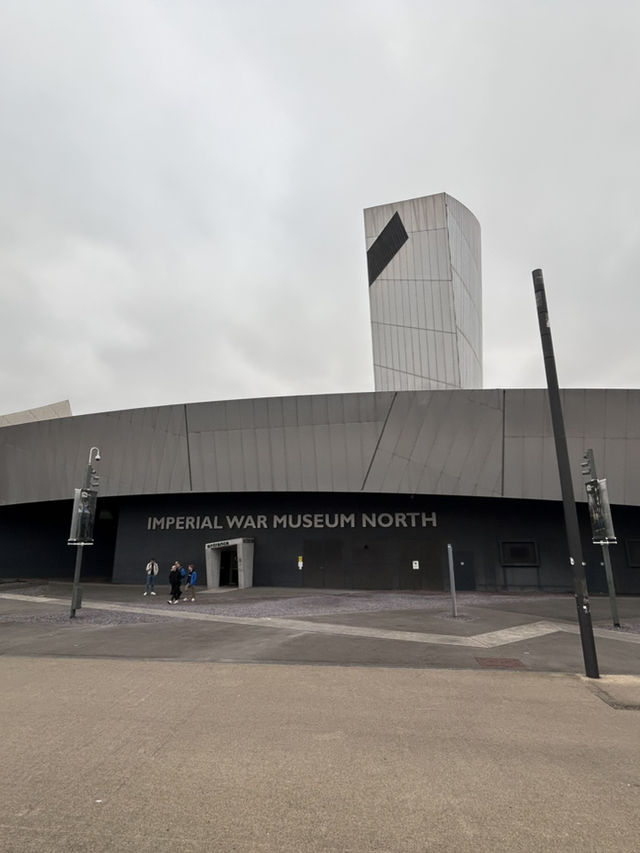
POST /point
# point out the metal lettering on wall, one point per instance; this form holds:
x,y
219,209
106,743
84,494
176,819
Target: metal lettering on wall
x,y
292,521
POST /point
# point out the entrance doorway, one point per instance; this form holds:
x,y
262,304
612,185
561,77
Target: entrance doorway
x,y
463,569
323,567
228,567
229,563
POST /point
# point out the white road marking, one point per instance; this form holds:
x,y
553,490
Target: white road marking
x,y
514,635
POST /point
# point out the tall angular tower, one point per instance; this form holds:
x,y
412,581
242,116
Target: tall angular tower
x,y
425,292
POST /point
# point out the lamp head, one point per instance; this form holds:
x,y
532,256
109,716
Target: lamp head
x,y
93,458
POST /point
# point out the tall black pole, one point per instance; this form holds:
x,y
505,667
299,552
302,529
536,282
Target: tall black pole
x,y
76,592
75,589
83,535
566,486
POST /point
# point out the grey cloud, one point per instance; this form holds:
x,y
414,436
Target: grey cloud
x,y
183,186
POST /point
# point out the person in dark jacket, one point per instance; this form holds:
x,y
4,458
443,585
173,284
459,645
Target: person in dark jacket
x,y
175,577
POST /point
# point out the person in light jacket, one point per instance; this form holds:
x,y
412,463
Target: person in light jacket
x,y
151,570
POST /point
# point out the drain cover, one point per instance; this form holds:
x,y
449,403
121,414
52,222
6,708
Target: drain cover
x,y
501,663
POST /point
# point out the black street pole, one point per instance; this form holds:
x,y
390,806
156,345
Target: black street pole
x,y
76,593
81,533
566,486
76,580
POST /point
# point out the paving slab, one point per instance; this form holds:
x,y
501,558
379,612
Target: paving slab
x,y
304,721
159,757
621,692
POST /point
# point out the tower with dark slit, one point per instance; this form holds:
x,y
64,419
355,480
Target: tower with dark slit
x,y
425,292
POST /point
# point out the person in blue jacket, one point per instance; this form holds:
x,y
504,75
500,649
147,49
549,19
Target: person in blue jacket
x,y
190,583
184,580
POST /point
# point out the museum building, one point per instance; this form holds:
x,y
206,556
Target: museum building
x,y
355,491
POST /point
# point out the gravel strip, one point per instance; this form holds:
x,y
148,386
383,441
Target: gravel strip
x,y
82,617
437,605
361,602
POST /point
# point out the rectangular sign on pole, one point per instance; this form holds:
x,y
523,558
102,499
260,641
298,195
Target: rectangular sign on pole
x,y
602,532
83,517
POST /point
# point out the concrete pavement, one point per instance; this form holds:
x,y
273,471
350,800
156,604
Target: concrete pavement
x,y
532,632
208,730
122,755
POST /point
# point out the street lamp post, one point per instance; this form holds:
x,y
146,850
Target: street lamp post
x,y
82,520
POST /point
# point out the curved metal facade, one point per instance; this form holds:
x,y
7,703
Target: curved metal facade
x,y
369,488
491,443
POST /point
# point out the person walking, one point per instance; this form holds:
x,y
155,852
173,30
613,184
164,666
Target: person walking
x,y
190,585
152,570
175,577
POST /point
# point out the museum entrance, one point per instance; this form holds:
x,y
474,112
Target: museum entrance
x,y
229,563
229,567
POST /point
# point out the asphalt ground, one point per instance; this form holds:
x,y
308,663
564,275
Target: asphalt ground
x,y
534,632
297,720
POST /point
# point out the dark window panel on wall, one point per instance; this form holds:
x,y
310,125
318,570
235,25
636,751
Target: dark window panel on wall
x,y
632,547
523,553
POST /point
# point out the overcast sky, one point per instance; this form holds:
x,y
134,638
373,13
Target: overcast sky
x,y
183,184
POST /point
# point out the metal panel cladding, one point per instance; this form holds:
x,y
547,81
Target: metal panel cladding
x,y
425,293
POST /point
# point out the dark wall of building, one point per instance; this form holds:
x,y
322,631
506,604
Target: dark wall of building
x,y
369,541
34,541
345,540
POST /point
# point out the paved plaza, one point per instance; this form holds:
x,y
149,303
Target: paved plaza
x,y
534,632
315,720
